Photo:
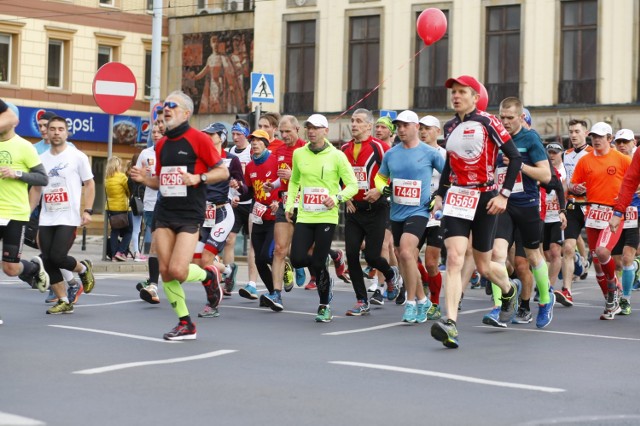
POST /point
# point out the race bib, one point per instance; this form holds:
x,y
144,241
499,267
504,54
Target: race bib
x,y
313,197
209,216
56,199
171,184
361,177
553,209
461,202
258,211
598,216
631,218
501,173
407,192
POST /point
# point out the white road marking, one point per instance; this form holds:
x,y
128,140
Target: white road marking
x,y
7,419
565,333
448,376
114,333
269,309
116,367
363,330
474,311
611,419
109,303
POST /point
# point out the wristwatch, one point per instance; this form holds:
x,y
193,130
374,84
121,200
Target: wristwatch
x,y
203,178
340,198
18,174
617,213
90,211
505,192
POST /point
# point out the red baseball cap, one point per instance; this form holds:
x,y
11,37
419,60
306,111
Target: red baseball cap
x,y
465,80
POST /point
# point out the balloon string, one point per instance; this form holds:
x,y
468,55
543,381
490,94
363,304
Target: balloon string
x,y
380,84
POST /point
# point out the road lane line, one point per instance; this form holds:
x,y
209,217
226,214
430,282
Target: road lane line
x,y
567,333
7,419
448,376
116,367
108,303
269,310
363,330
114,333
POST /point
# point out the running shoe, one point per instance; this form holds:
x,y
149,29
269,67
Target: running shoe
x,y
410,313
493,318
545,312
510,304
87,278
564,297
578,266
288,277
51,297
445,331
230,280
394,284
475,280
359,309
488,288
61,307
421,311
369,272
324,314
212,286
311,285
150,294
402,296
523,316
120,256
182,331
341,266
248,292
377,298
434,312
612,306
74,291
208,312
139,257
41,279
142,284
301,277
272,300
625,306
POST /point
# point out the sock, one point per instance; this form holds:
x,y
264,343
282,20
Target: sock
x,y
67,275
186,319
251,284
424,276
227,270
628,275
435,285
602,282
411,302
65,299
83,269
609,269
196,273
175,295
496,294
154,269
541,276
423,301
525,304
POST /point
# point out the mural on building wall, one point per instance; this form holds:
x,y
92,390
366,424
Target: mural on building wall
x,y
216,70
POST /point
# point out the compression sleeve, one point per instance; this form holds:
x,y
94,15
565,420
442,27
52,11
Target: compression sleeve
x,y
37,176
381,182
445,179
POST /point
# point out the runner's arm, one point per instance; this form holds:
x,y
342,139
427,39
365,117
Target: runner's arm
x,y
515,163
629,184
445,179
36,176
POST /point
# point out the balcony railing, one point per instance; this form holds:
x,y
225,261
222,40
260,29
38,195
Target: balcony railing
x,y
430,98
498,91
370,103
296,103
577,92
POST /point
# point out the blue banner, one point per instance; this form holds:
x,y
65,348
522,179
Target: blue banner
x,y
89,126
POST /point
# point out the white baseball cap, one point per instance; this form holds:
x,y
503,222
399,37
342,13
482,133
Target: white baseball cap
x,y
430,121
624,134
317,120
601,129
407,116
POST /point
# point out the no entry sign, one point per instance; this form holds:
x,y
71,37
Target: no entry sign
x,y
114,88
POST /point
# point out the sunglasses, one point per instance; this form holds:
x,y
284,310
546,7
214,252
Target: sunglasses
x,y
621,141
170,105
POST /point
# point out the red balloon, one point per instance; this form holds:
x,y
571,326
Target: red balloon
x,y
483,102
431,25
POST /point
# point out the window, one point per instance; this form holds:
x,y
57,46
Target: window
x,y
55,64
364,61
107,2
5,58
104,55
502,68
301,67
147,74
579,52
150,5
431,71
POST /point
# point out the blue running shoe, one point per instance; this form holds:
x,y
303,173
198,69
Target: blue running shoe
x,y
301,277
394,284
248,292
421,311
545,312
493,318
273,300
410,313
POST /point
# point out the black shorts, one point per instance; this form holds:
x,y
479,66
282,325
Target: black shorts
x,y
12,236
433,236
483,225
552,235
241,222
415,225
629,238
524,219
575,221
282,218
189,228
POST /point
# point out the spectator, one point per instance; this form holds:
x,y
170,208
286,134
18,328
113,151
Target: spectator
x,y
117,190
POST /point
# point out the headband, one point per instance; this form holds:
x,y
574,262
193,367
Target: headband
x,y
240,128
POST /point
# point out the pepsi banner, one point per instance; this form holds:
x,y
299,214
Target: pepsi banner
x,y
88,126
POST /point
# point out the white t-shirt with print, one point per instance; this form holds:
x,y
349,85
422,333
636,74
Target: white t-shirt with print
x,y
147,158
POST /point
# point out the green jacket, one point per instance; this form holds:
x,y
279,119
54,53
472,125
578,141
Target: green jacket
x,y
315,171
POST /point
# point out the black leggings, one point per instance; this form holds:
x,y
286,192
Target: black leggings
x,y
304,236
261,240
55,243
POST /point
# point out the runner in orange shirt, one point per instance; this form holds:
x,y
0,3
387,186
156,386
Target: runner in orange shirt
x,y
600,173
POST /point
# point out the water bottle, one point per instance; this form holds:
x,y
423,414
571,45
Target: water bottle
x,y
437,215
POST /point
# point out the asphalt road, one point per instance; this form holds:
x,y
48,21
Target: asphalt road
x,y
106,364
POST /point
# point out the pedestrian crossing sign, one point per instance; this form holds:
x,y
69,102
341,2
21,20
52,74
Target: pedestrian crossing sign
x,y
262,87
388,113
